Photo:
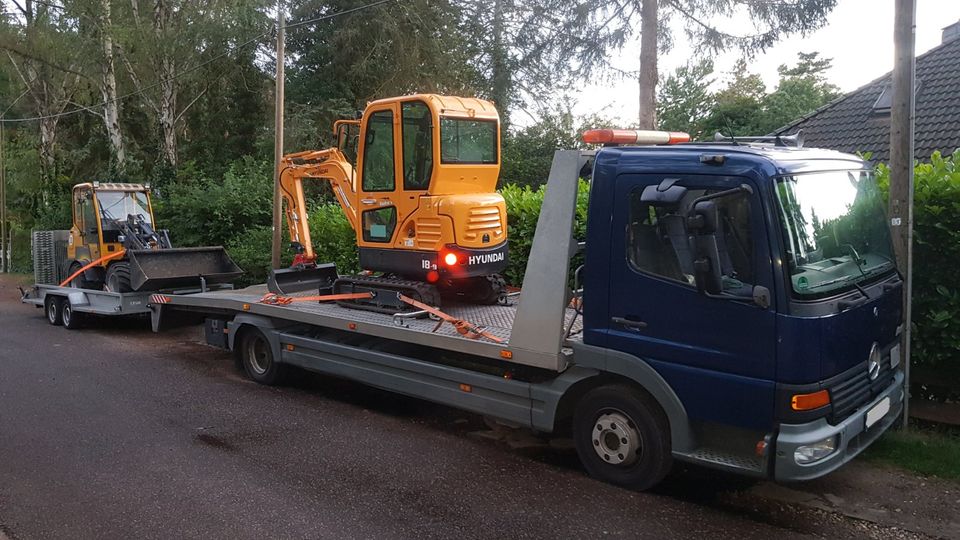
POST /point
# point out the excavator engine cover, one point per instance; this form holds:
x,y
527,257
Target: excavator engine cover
x,y
152,270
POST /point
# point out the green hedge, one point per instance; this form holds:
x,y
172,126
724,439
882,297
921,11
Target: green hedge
x,y
21,258
936,253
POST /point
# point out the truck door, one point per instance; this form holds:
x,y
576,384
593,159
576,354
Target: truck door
x,y
717,354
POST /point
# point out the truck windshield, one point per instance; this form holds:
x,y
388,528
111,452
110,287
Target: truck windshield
x,y
835,231
464,140
117,205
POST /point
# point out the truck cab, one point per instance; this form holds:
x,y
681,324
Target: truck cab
x,y
758,282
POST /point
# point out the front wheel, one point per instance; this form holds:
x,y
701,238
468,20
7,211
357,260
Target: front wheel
x,y
118,278
622,437
258,360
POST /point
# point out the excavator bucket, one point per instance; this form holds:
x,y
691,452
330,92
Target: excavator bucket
x,y
302,278
152,270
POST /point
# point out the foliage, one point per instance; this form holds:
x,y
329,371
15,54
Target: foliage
x,y
200,210
923,451
523,210
684,99
936,250
21,259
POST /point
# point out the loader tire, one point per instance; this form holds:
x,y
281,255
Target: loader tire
x,y
80,282
118,278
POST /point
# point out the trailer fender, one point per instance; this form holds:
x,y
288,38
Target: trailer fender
x,y
267,325
598,364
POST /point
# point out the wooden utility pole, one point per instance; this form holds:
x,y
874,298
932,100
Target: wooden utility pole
x,y
901,167
278,142
4,265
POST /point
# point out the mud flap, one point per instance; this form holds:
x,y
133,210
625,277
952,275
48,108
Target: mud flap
x,y
318,278
153,270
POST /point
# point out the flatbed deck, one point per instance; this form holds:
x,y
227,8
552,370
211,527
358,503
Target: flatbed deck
x,y
497,320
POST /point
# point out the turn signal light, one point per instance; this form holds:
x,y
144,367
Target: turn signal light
x,y
633,136
808,402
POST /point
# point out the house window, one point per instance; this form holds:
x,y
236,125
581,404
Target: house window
x,y
885,100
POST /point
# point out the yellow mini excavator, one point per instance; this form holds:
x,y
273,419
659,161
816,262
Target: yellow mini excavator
x,y
113,245
416,177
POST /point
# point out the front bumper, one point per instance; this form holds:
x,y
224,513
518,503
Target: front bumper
x,y
852,437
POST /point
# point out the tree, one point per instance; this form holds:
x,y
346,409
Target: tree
x,y
600,27
684,99
801,90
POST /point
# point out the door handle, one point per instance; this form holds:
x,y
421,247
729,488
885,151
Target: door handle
x,y
633,325
368,201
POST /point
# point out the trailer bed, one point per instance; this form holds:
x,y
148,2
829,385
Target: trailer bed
x,y
497,320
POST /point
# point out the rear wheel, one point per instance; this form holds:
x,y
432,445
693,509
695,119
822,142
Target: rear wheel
x,y
118,278
71,319
258,360
52,306
622,437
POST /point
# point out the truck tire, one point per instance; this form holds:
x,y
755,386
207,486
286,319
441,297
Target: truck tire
x,y
118,278
622,437
52,306
71,319
256,355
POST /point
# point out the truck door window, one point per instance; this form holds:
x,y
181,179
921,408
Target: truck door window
x,y
417,133
378,172
657,239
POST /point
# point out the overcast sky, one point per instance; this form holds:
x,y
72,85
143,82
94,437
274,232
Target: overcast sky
x,y
858,37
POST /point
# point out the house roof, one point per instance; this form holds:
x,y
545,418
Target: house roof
x,y
850,123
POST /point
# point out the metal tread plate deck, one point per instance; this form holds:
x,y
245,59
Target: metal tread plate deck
x,y
497,320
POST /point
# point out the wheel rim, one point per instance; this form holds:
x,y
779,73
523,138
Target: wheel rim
x,y
616,439
52,311
258,355
67,313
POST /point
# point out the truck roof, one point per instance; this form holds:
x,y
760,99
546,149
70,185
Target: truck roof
x,y
775,160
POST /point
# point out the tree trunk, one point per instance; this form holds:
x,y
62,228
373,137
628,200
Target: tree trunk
x,y
108,88
648,65
168,86
500,75
48,163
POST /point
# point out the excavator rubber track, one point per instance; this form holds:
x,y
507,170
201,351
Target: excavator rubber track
x,y
385,293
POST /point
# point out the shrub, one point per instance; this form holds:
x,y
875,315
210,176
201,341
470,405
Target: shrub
x,y
936,249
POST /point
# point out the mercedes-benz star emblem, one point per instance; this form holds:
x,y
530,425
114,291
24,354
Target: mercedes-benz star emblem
x,y
873,362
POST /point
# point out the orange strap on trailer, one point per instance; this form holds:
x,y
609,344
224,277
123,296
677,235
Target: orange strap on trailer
x,y
463,327
277,300
103,259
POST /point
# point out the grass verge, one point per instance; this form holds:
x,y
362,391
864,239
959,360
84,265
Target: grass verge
x,y
933,452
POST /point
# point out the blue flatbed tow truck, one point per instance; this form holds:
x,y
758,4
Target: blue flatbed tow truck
x,y
738,307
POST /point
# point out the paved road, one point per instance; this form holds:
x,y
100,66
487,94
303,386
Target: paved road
x,y
111,431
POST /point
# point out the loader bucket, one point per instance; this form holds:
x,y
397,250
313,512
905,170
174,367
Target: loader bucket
x,y
303,278
152,270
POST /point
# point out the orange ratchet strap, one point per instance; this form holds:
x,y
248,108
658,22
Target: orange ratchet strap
x,y
103,259
463,327
277,300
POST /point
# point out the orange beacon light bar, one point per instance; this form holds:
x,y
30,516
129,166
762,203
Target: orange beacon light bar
x,y
633,136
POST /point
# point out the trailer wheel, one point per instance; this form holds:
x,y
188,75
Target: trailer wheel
x,y
52,307
256,355
622,437
71,319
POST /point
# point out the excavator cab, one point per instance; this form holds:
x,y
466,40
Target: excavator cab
x,y
420,193
114,242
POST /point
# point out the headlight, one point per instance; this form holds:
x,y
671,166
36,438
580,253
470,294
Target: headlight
x,y
805,455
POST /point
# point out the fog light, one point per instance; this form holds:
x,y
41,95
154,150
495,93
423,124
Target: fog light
x,y
805,455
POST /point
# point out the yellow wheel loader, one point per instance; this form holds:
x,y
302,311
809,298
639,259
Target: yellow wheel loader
x,y
416,177
114,246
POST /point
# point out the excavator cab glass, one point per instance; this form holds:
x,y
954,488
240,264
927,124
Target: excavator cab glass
x,y
469,141
417,137
348,139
